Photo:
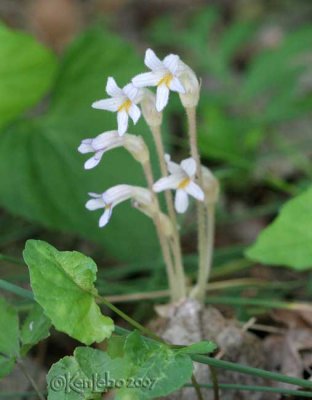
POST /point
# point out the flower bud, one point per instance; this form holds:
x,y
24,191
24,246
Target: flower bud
x,y
148,106
191,85
211,186
137,147
151,211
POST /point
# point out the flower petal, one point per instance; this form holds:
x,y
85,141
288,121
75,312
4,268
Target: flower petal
x,y
147,79
162,97
176,85
122,119
189,166
194,190
105,217
131,91
134,113
112,89
95,195
94,161
172,167
95,204
108,104
152,61
167,182
171,62
181,201
86,146
103,140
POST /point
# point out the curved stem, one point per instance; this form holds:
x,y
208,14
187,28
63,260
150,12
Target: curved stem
x,y
30,379
176,246
204,272
164,244
131,321
201,212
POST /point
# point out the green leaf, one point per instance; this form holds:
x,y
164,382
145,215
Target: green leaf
x,y
9,337
142,370
34,329
63,284
288,240
41,172
64,380
204,347
26,73
166,369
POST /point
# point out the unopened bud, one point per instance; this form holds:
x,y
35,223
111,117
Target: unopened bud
x,y
210,186
191,85
152,211
148,106
137,147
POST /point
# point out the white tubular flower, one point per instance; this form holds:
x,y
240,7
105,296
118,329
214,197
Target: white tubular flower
x,y
115,195
182,180
123,101
110,140
164,75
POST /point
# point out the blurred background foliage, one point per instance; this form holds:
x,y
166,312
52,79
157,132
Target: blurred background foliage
x,y
254,61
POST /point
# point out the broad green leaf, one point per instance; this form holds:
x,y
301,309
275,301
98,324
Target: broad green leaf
x,y
9,337
204,347
41,172
142,370
165,369
66,381
288,240
63,284
26,73
35,328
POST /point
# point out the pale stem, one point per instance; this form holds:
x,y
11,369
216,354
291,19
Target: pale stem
x,y
201,211
176,246
204,273
173,284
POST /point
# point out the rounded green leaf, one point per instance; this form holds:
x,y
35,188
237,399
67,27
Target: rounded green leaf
x,y
288,240
63,284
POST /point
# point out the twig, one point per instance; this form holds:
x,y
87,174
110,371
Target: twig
x,y
30,379
197,388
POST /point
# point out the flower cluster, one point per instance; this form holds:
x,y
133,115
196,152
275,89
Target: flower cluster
x,y
169,74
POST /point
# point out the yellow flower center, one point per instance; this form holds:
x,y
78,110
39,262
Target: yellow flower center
x,y
184,183
125,105
165,80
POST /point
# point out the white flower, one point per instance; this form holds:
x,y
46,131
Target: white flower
x,y
123,101
110,140
164,75
115,195
182,180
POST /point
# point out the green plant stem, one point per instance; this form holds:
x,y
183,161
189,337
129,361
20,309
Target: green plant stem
x,y
10,287
30,379
176,245
199,293
215,383
250,388
132,322
197,388
11,259
164,244
243,369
